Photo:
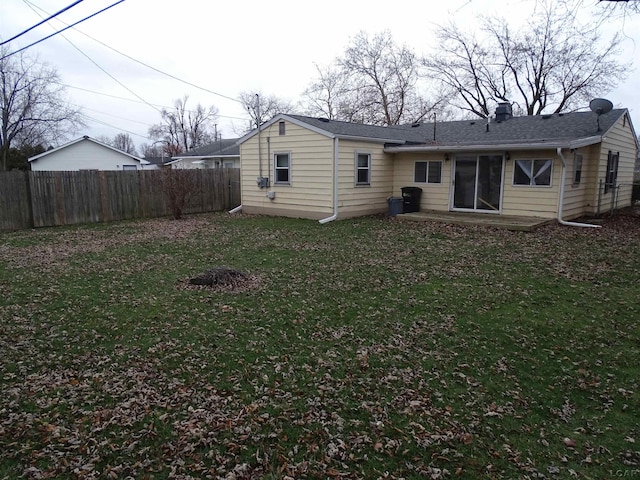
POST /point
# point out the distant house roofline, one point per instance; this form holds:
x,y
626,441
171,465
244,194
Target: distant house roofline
x,y
86,137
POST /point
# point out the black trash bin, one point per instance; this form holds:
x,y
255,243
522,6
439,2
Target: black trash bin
x,y
411,199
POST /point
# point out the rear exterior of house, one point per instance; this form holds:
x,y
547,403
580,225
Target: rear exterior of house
x,y
85,153
553,166
299,164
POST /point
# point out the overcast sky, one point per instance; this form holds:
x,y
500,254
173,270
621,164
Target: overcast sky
x,y
235,46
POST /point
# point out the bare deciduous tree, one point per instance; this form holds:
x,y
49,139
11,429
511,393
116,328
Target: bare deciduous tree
x,y
262,107
124,142
183,129
33,106
554,65
375,82
326,94
178,185
154,150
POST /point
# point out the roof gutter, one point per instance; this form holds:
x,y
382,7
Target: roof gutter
x,y
336,156
561,200
541,145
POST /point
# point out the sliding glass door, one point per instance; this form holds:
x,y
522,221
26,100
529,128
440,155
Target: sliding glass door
x,y
477,182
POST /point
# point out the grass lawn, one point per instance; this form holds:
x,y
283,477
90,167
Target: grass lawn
x,y
365,348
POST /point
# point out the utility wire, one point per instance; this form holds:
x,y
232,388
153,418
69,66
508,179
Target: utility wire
x,y
43,21
147,65
133,100
104,71
60,31
113,126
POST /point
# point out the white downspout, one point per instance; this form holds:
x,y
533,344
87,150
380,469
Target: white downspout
x,y
564,175
336,154
236,210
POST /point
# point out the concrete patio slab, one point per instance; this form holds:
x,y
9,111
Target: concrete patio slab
x,y
490,220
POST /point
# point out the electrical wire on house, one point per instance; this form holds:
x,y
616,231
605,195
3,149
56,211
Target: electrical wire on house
x,y
31,4
60,31
43,21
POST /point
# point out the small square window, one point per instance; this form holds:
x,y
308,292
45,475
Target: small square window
x,y
532,172
427,172
281,128
363,169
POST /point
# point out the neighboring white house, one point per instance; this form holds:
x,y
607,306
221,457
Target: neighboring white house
x,y
223,153
86,153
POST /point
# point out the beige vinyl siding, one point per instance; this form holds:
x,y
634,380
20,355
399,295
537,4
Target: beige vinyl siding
x,y
619,138
578,198
310,192
533,201
355,200
435,196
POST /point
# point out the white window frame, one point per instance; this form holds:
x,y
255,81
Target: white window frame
x,y
129,168
532,183
611,172
578,160
276,168
429,163
358,168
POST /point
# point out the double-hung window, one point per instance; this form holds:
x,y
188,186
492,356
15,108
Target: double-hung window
x,y
532,172
611,174
282,168
363,169
428,172
577,171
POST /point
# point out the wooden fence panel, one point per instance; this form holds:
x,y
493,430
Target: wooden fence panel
x,y
44,199
15,210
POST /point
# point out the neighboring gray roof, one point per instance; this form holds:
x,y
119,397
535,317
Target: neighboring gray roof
x,y
222,148
157,160
536,129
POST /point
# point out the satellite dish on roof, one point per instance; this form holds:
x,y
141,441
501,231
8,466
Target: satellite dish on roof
x,y
600,105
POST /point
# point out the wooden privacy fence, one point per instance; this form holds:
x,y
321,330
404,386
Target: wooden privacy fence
x,y
42,199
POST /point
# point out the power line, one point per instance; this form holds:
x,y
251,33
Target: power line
x,y
60,31
147,65
113,126
43,21
111,115
134,101
103,70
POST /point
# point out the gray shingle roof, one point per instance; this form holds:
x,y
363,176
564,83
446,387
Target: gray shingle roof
x,y
526,129
223,147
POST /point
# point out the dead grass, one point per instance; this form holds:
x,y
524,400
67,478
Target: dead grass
x,y
365,348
